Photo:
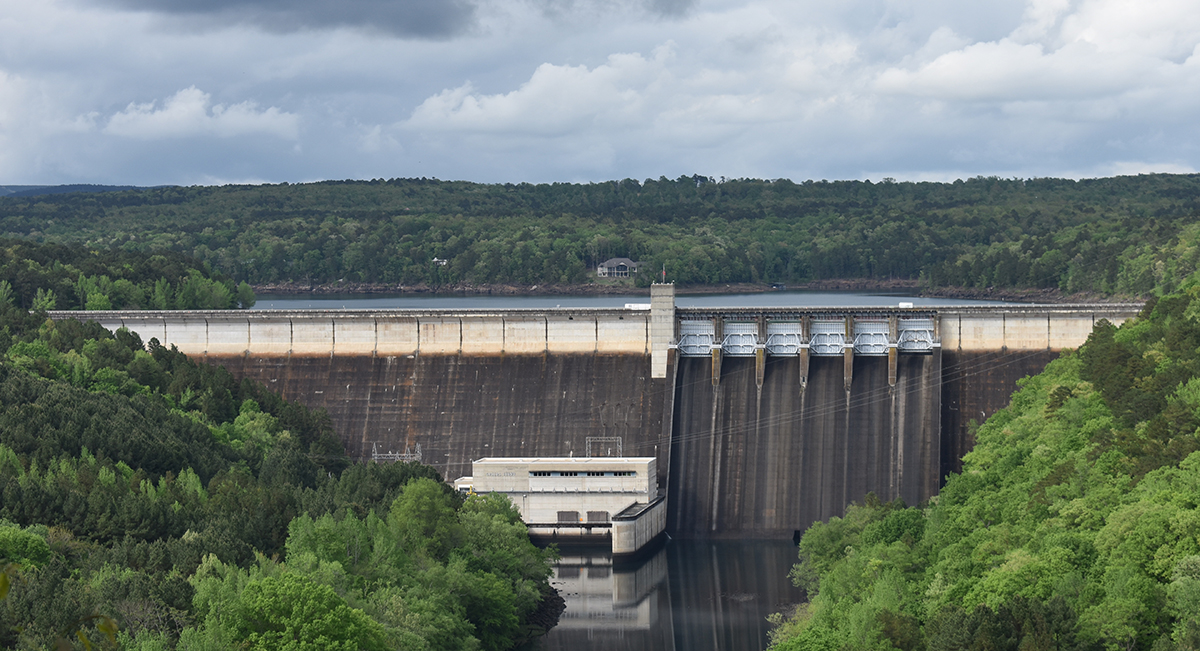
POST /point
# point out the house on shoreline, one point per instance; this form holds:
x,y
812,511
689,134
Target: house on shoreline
x,y
617,268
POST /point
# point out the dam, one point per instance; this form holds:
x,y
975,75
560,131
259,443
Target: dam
x,y
761,421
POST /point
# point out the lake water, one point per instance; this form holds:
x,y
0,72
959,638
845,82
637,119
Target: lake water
x,y
455,302
689,596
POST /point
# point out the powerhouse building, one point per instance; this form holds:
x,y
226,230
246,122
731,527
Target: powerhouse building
x,y
578,499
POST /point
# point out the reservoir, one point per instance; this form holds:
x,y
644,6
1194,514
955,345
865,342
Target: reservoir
x,y
473,301
691,595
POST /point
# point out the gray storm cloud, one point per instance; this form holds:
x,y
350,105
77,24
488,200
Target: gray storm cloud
x,y
435,19
407,18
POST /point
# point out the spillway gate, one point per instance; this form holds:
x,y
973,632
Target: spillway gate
x,y
803,335
791,335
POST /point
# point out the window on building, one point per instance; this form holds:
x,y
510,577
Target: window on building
x,y
568,516
597,516
539,473
568,473
624,473
595,473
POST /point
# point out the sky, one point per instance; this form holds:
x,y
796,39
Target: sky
x,y
149,92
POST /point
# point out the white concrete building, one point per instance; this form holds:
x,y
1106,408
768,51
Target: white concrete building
x,y
578,498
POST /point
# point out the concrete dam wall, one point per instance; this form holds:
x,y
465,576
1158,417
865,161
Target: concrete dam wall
x,y
771,461
986,351
459,408
975,385
461,385
779,440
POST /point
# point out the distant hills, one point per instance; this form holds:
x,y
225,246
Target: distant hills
x,y
1129,235
17,191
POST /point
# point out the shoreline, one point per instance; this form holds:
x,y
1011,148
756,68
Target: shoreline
x,y
891,286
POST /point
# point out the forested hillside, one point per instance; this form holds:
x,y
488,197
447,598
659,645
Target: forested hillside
x,y
73,277
150,502
1124,234
1074,525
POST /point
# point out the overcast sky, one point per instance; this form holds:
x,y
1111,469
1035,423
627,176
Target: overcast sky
x,y
218,91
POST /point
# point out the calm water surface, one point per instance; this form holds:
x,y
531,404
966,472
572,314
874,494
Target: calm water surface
x,y
454,302
690,596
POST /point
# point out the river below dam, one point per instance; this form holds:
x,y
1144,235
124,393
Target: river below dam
x,y
690,595
781,298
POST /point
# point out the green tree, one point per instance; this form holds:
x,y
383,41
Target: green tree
x,y
22,546
98,301
245,296
292,613
424,519
44,300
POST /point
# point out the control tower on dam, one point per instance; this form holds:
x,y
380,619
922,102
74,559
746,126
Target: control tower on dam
x,y
764,420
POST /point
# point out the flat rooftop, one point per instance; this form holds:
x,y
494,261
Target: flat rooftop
x,y
566,460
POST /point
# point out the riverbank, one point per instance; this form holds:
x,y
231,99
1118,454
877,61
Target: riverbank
x,y
888,286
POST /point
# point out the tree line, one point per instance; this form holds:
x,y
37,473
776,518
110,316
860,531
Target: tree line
x,y
1116,235
151,502
73,277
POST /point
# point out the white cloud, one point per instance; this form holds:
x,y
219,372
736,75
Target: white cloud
x,y
1041,19
1163,29
14,123
1010,71
557,100
190,113
30,118
1101,48
755,88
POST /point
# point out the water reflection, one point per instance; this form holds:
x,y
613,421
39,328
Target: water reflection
x,y
691,595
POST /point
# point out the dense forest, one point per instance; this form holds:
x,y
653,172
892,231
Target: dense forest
x,y
150,502
72,277
1075,523
1125,235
